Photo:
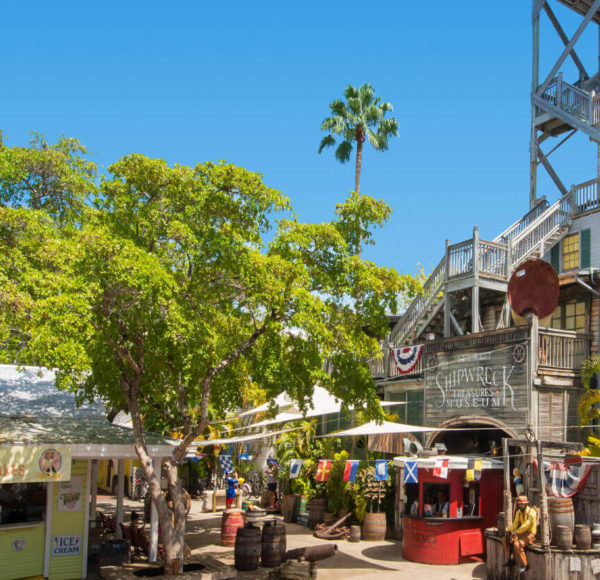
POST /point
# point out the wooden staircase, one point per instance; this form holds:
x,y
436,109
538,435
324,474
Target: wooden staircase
x,y
491,263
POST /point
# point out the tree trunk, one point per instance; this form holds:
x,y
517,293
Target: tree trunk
x,y
360,139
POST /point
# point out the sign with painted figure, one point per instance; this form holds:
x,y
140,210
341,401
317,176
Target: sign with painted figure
x,y
66,545
480,382
35,464
70,495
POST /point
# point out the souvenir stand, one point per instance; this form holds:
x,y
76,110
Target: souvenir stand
x,y
443,513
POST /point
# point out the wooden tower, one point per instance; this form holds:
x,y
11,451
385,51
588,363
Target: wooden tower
x,y
559,106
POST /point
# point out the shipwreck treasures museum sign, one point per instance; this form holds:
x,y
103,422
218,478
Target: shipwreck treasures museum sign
x,y
482,382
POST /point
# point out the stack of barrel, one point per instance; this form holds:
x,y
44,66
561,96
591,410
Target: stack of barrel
x,y
250,546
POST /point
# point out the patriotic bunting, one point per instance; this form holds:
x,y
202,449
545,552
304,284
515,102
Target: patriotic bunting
x,y
565,480
441,468
407,357
226,463
381,470
411,472
350,470
295,467
323,470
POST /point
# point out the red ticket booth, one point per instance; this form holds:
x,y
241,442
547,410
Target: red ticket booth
x,y
443,519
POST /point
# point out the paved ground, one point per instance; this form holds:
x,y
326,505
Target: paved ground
x,y
381,560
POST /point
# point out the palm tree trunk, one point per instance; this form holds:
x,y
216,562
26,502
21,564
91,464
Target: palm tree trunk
x,y
359,147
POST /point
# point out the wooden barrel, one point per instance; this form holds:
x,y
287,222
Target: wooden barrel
x,y
265,498
354,534
231,521
374,527
583,537
564,537
561,513
246,505
287,507
299,506
501,517
273,545
255,516
316,511
247,548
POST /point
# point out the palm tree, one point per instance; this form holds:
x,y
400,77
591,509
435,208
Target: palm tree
x,y
360,118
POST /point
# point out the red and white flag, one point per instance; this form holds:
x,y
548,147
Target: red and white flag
x,y
441,468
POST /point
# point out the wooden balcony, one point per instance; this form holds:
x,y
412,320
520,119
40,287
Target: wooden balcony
x,y
561,352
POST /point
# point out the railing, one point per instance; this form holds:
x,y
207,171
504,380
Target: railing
x,y
538,209
431,294
586,196
568,98
385,367
460,259
563,349
492,258
536,233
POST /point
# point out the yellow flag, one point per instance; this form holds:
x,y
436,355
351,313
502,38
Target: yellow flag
x,y
470,475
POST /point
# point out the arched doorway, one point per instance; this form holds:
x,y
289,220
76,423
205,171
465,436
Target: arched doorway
x,y
471,435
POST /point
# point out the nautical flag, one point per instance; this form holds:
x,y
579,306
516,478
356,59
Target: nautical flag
x,y
244,457
474,470
411,472
295,467
406,357
274,462
226,463
381,470
565,480
323,470
350,470
441,468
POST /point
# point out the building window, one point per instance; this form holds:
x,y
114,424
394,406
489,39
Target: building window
x,y
570,252
570,316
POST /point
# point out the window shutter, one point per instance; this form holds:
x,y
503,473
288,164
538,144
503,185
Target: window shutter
x,y
585,249
555,257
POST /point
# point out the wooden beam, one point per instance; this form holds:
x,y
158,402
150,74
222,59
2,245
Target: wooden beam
x,y
550,170
570,120
565,39
569,47
455,324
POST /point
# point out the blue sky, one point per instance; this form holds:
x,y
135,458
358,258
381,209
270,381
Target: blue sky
x,y
251,83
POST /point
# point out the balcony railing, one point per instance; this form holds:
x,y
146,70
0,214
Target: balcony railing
x,y
559,350
563,349
568,98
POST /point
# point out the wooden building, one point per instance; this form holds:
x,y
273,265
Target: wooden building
x,y
477,369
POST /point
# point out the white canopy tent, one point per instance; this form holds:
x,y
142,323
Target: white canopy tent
x,y
383,428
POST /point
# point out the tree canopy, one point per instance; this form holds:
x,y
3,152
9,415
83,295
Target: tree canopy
x,y
163,297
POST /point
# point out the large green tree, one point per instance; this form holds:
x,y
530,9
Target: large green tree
x,y
361,117
165,300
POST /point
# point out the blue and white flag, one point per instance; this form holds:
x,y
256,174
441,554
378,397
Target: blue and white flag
x,y
381,470
295,467
226,463
244,457
411,472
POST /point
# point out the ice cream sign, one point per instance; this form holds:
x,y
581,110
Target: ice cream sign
x,y
34,464
66,545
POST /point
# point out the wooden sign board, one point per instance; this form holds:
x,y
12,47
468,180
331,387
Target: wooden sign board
x,y
490,382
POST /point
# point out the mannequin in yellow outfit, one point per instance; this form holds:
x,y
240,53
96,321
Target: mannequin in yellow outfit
x,y
521,532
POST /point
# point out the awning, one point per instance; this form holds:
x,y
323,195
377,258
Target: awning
x,y
241,438
385,427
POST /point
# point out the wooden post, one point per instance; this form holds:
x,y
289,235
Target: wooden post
x,y
120,493
152,556
532,362
447,331
544,528
535,67
507,497
475,290
93,492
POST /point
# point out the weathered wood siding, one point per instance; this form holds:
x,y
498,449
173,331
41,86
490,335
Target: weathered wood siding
x,y
594,321
587,501
478,382
552,414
